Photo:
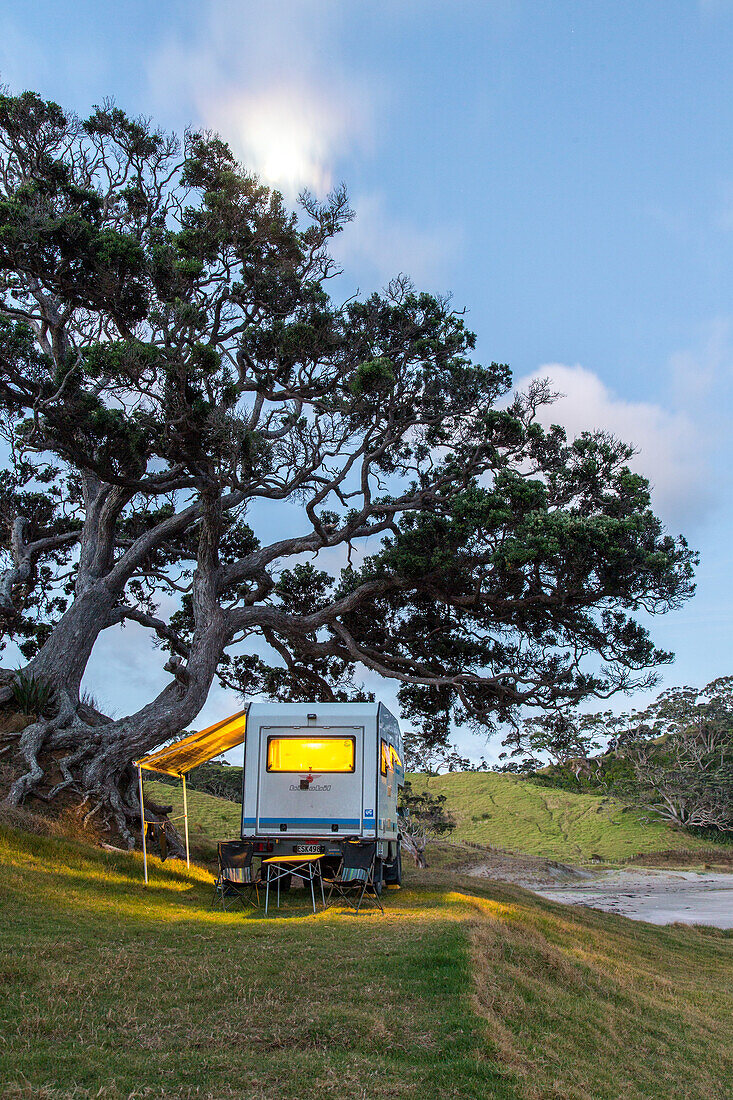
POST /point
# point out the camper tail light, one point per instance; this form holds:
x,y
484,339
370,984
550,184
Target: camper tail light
x,y
264,846
311,756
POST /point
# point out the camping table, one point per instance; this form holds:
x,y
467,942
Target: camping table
x,y
303,867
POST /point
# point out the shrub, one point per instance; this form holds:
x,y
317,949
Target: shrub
x,y
31,694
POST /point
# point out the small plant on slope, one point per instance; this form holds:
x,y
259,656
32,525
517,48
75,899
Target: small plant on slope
x,y
31,694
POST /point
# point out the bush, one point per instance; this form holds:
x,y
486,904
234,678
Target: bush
x,y
31,694
610,774
707,832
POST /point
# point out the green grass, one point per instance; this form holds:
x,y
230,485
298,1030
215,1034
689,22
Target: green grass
x,y
505,812
462,991
496,810
208,817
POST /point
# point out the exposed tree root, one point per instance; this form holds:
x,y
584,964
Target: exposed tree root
x,y
106,789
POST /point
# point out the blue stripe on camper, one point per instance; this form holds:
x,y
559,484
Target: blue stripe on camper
x,y
352,822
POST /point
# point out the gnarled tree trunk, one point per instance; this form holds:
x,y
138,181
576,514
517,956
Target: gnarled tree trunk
x,y
63,658
94,759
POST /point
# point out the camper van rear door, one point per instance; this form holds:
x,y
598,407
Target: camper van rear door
x,y
310,780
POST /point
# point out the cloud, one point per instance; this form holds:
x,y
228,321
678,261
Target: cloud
x,y
672,449
275,86
287,138
706,367
272,85
384,245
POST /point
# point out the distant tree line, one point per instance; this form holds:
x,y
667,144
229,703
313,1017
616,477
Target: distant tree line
x,y
673,759
218,778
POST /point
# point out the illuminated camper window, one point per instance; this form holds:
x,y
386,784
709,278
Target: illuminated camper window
x,y
306,754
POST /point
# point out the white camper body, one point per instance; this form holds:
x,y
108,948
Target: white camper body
x,y
317,774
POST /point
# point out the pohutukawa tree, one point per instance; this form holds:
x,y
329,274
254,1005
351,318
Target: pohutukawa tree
x,y
565,737
681,754
203,439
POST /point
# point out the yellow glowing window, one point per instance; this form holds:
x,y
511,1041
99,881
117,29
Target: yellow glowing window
x,y
305,754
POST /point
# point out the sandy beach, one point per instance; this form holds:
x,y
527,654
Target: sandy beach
x,y
660,897
657,896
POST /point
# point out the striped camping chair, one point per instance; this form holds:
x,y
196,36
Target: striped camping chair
x,y
354,881
236,879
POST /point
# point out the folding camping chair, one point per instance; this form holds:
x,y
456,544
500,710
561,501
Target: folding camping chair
x,y
236,876
354,880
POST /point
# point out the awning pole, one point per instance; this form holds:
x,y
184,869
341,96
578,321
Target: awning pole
x,y
185,817
142,822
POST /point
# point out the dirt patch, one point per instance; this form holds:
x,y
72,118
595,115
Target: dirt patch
x,y
524,870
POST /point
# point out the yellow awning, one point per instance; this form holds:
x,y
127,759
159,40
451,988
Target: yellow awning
x,y
180,757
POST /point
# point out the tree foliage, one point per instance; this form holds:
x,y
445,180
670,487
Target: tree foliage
x,y
681,752
283,489
673,759
423,818
565,738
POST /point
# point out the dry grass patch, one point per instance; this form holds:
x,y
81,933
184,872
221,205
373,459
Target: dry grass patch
x,y
588,1006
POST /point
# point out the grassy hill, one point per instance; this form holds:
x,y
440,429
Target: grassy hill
x,y
209,817
462,991
506,812
496,810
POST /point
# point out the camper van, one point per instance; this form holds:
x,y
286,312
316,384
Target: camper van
x,y
319,775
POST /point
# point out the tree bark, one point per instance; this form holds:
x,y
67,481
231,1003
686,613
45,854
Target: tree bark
x,y
100,585
25,556
62,659
96,761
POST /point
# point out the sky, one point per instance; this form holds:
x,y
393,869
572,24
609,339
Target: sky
x,y
564,170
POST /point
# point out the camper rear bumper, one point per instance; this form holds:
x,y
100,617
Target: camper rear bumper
x,y
302,845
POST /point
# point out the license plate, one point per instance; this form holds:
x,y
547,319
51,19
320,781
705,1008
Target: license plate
x,y
308,849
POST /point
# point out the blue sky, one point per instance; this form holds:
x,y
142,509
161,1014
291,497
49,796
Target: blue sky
x,y
565,169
